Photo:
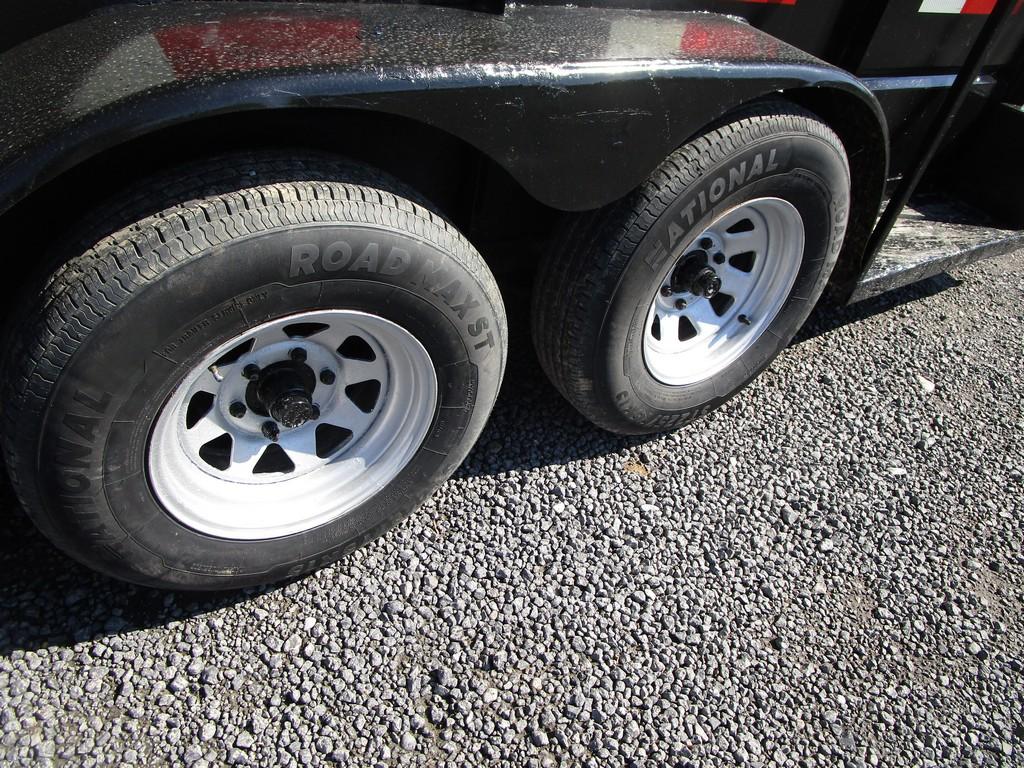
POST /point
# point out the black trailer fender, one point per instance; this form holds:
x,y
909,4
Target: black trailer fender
x,y
578,105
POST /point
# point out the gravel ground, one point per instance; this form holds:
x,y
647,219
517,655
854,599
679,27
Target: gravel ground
x,y
828,571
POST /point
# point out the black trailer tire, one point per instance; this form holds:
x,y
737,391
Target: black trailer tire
x,y
597,314
111,343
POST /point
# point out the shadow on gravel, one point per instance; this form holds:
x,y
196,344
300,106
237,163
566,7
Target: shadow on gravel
x,y
830,318
48,600
532,426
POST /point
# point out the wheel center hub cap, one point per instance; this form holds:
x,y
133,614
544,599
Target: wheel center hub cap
x,y
706,283
292,410
284,390
695,275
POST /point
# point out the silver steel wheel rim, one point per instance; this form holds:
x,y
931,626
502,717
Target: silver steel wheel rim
x,y
383,395
755,251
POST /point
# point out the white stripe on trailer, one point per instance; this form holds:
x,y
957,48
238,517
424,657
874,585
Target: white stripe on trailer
x,y
942,6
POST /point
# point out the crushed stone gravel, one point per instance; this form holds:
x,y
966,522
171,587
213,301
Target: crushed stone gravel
x,y
826,571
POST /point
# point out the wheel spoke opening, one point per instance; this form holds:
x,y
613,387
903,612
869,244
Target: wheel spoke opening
x,y
217,452
744,262
234,354
330,438
721,302
364,394
274,461
741,226
198,406
304,330
357,348
656,327
687,330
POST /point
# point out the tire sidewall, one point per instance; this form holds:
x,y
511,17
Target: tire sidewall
x,y
93,443
800,168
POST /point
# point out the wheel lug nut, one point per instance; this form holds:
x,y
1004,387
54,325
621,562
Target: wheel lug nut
x,y
706,243
719,258
251,371
298,355
315,413
680,303
327,376
237,409
270,431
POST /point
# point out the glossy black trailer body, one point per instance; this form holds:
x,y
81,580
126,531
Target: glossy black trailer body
x,y
578,105
907,53
867,37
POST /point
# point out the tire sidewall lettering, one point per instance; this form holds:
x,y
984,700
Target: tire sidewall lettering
x,y
408,265
75,471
